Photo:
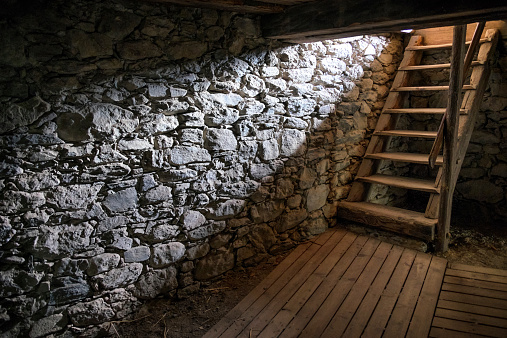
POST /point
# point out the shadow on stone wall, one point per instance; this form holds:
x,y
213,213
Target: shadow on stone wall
x,y
146,149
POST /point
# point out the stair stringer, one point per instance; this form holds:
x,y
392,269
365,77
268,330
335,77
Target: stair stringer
x,y
377,144
472,100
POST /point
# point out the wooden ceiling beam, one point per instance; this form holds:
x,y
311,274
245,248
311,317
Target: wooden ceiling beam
x,y
240,6
343,18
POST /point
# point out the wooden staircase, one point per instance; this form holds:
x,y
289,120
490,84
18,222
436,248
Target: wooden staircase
x,y
463,105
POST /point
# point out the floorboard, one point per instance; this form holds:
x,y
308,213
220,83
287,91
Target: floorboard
x,y
344,285
473,302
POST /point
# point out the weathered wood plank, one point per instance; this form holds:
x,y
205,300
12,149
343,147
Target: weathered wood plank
x,y
472,299
360,319
427,88
426,304
476,275
401,157
472,308
380,316
356,17
474,282
460,326
471,317
350,286
408,133
291,308
394,219
474,290
246,302
328,308
348,308
441,46
377,144
451,138
479,269
239,6
407,301
440,35
306,313
284,295
401,182
436,66
437,332
473,48
472,101
264,299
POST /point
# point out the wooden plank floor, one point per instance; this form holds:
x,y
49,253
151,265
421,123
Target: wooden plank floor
x,y
345,285
341,284
472,303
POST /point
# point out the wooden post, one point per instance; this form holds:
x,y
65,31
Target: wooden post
x,y
451,128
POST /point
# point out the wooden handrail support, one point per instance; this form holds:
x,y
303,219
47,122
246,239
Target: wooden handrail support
x,y
451,127
472,49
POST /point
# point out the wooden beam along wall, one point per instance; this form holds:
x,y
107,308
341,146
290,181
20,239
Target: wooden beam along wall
x,y
333,19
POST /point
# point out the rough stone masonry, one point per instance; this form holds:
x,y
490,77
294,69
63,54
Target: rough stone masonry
x,y
145,149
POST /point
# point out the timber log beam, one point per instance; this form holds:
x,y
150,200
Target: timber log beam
x,y
328,19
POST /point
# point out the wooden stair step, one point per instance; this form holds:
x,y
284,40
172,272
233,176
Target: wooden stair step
x,y
404,157
418,111
407,133
427,88
390,218
440,46
437,66
401,182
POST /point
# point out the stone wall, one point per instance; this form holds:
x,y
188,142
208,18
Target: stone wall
x,y
145,149
483,178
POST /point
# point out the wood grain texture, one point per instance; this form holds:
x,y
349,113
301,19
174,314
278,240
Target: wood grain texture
x,y
394,219
386,121
450,138
401,182
408,133
332,19
347,285
403,157
240,6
